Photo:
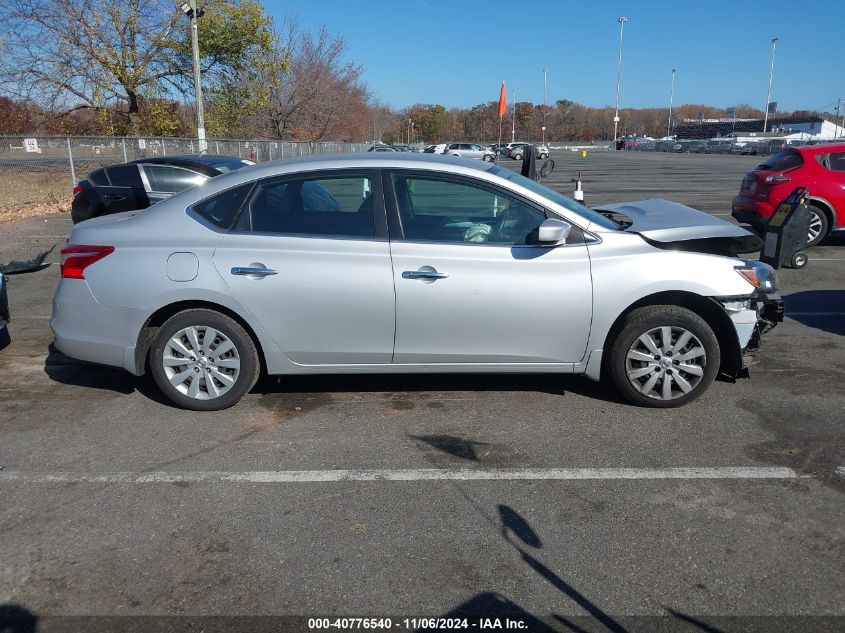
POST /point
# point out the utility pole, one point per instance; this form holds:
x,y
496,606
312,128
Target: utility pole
x,y
838,104
189,8
671,98
545,72
513,119
621,20
769,94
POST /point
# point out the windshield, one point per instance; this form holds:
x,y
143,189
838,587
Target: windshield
x,y
554,196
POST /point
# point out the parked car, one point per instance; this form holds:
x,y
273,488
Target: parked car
x,y
144,182
501,149
819,167
401,147
382,148
516,150
470,150
5,316
395,263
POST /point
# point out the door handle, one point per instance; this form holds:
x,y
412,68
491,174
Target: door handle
x,y
114,196
423,274
253,271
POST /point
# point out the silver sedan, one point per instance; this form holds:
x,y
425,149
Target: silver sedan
x,y
395,262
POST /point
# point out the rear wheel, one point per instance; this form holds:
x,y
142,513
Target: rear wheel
x,y
203,360
517,156
664,356
488,158
818,226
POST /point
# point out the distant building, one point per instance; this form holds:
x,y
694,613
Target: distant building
x,y
820,127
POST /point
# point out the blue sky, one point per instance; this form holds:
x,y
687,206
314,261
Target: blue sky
x,y
457,52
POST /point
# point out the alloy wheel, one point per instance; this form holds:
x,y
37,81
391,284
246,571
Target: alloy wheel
x,y
815,227
666,362
201,362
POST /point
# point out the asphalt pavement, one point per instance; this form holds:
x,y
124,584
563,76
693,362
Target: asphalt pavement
x,y
544,499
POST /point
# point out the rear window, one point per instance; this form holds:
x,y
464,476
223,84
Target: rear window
x,y
836,161
782,161
222,209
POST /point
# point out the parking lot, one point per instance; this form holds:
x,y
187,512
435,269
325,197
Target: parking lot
x,y
544,498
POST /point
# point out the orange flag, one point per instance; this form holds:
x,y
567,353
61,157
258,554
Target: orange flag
x,y
503,101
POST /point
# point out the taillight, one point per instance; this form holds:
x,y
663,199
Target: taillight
x,y
76,258
77,189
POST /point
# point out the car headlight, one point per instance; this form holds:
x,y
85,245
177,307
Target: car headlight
x,y
759,275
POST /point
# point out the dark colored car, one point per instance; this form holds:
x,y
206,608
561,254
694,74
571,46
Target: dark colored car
x,y
143,182
821,168
382,148
4,303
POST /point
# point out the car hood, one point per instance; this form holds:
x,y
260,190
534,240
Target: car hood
x,y
673,225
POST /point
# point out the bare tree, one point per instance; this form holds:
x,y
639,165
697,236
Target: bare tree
x,y
312,98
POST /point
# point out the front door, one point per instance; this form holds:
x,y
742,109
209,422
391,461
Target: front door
x,y
310,260
473,285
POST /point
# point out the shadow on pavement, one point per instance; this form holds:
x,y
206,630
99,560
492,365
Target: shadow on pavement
x,y
17,619
69,371
820,309
552,384
5,341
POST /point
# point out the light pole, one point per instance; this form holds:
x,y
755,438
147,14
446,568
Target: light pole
x,y
671,97
412,132
513,119
545,72
189,8
769,94
621,20
409,131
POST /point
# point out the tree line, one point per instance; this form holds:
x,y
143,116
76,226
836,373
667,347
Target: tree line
x,y
124,67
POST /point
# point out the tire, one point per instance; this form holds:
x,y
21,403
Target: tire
x,y
543,156
517,156
488,158
238,361
819,225
630,354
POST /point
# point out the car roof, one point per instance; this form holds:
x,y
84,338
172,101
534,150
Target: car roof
x,y
821,148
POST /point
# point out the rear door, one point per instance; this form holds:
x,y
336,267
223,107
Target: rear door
x,y
310,260
125,191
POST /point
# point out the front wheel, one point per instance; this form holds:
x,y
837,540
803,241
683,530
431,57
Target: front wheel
x,y
488,158
203,360
663,356
517,156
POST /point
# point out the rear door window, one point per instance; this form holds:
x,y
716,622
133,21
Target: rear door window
x,y
170,179
782,161
99,177
332,207
124,176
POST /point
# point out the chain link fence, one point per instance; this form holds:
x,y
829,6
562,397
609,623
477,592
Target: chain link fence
x,y
42,170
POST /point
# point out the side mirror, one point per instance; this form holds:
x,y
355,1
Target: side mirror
x,y
553,232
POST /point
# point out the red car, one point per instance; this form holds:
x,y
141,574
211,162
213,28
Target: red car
x,y
819,167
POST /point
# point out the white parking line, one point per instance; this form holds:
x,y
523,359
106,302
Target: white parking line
x,y
430,474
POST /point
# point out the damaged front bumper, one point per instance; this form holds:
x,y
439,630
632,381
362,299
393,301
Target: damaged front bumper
x,y
752,317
